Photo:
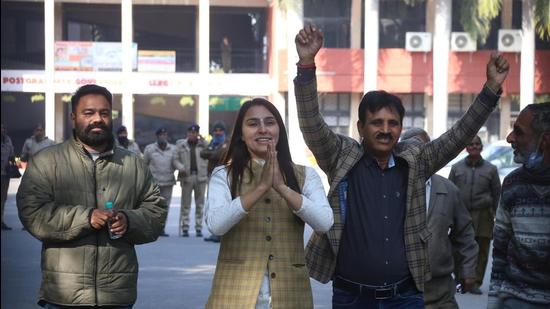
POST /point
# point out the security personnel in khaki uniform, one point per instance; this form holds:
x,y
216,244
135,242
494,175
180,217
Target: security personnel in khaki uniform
x,y
193,176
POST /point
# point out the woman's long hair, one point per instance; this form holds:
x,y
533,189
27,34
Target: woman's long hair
x,y
237,157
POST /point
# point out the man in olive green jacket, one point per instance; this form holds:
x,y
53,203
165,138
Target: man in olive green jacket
x,y
62,200
479,186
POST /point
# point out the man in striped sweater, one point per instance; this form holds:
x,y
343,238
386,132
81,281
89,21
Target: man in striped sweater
x,y
521,249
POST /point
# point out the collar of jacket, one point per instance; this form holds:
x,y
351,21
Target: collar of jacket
x,y
185,143
477,163
157,147
82,150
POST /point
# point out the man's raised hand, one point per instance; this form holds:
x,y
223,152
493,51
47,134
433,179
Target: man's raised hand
x,y
308,42
497,70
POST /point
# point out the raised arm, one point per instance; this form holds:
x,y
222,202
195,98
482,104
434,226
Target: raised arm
x,y
443,149
323,143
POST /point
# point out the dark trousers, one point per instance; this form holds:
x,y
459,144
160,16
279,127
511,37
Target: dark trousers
x,y
54,306
408,297
482,258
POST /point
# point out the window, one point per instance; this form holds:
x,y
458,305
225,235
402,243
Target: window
x,y
90,39
396,19
335,108
167,28
414,110
91,22
21,112
459,104
22,36
333,18
238,40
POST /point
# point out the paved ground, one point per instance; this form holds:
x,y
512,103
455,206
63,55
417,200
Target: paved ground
x,y
174,272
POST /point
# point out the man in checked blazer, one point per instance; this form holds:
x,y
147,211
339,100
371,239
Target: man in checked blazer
x,y
376,251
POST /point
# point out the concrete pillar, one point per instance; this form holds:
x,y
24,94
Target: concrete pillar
x,y
506,14
50,122
60,119
428,99
60,108
127,36
277,42
294,22
354,116
442,35
355,24
505,116
527,70
370,74
203,55
428,114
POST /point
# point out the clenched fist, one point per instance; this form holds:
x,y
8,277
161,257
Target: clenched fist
x,y
497,70
308,42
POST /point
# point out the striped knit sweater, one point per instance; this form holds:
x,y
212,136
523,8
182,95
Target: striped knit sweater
x,y
521,248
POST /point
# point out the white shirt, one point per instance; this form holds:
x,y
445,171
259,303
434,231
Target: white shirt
x,y
428,192
223,212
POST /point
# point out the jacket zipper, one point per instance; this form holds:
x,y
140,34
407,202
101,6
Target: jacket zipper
x,y
472,186
96,238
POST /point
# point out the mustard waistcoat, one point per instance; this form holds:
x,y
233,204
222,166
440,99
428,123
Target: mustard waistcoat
x,y
271,236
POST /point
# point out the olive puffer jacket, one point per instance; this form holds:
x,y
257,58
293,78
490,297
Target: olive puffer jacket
x,y
80,265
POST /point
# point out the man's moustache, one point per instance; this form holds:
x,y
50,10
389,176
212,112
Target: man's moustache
x,y
96,126
384,136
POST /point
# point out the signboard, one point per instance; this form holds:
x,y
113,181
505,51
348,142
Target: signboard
x,y
73,56
107,56
157,61
224,86
91,56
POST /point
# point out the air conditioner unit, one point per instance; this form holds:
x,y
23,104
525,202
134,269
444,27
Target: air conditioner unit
x,y
462,42
418,41
509,40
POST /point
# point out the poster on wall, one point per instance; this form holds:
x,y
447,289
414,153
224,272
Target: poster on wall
x,y
91,56
108,56
74,56
157,61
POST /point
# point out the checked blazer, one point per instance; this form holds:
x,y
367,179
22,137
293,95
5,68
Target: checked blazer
x,y
337,155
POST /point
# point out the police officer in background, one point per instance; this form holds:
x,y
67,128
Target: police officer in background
x,y
123,141
214,154
193,176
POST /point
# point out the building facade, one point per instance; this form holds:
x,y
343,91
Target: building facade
x,y
175,62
